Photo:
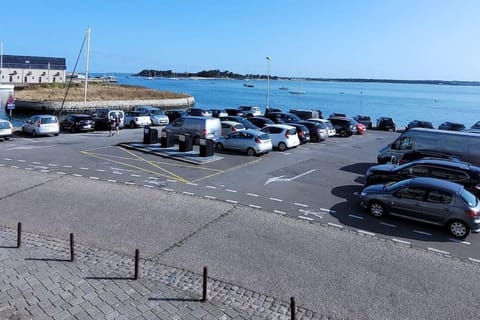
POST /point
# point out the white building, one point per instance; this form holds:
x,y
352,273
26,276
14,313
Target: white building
x,y
28,69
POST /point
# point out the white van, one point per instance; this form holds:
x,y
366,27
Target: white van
x,y
462,144
200,127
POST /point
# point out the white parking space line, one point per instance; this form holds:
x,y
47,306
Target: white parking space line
x,y
335,225
305,218
474,260
231,201
252,194
112,181
62,166
61,172
8,159
83,168
192,184
168,189
153,178
438,251
301,205
29,169
148,186
388,224
279,212
210,197
254,206
94,178
230,190
129,183
366,232
135,175
77,175
275,199
401,241
356,217
327,210
422,233
171,180
45,170
116,172
52,164
460,241
100,170
23,161
16,167
210,187
188,193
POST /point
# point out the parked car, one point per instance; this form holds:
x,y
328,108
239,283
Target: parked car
x,y
260,121
302,132
430,200
174,114
283,136
198,112
102,118
336,114
361,128
234,112
318,130
157,116
41,125
476,125
430,154
253,142
330,128
460,172
452,126
365,120
231,126
250,111
283,117
196,126
344,126
77,122
306,114
135,119
385,123
419,124
246,123
218,113
6,129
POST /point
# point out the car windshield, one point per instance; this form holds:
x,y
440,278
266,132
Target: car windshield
x,y
469,198
158,112
264,136
392,186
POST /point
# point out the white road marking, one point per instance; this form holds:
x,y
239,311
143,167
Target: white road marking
x,y
307,212
192,184
112,181
335,225
153,178
474,260
36,162
254,206
168,189
327,210
422,233
305,218
188,193
356,217
275,199
232,201
83,168
210,197
94,178
301,205
62,166
100,170
29,169
22,161
401,241
252,194
77,175
438,251
230,190
135,175
210,187
282,179
129,183
116,172
279,212
7,159
148,186
52,164
366,232
460,241
61,172
16,167
388,224
171,180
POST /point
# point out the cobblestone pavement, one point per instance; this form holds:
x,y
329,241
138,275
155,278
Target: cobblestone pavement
x,y
38,281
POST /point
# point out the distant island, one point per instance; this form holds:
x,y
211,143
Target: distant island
x,y
149,73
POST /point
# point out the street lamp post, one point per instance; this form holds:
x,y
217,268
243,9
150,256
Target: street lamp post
x,y
268,82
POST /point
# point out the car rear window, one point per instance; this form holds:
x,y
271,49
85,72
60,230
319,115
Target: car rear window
x,y
264,136
292,131
48,120
469,198
4,125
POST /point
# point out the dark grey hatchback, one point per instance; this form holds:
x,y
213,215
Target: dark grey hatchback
x,y
429,200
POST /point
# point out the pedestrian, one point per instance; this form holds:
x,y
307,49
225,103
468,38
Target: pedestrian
x,y
110,126
117,124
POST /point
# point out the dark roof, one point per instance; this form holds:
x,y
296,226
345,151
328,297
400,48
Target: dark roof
x,y
24,62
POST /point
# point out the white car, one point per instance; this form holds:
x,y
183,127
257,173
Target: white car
x,y
6,129
231,126
283,136
135,119
250,111
330,128
41,125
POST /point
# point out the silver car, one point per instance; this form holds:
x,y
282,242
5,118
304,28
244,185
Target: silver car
x,y
41,125
253,142
429,200
6,129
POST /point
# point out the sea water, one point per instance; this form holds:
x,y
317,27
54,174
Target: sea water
x,y
402,102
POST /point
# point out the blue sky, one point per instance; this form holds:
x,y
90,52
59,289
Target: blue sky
x,y
402,39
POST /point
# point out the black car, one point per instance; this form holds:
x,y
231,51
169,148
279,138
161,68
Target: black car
x,y
306,114
198,112
234,112
260,121
419,124
174,114
283,117
302,132
452,126
77,122
365,120
344,126
246,123
476,125
422,154
455,171
385,123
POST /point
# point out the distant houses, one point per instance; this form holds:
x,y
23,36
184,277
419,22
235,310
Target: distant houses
x,y
29,69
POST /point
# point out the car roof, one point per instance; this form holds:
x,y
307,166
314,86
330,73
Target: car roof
x,y
436,183
230,122
282,126
445,163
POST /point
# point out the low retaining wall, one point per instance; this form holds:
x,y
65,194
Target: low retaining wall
x,y
76,106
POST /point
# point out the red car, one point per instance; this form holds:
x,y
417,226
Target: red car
x,y
361,128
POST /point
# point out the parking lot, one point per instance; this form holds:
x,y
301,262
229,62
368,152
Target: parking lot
x,y
315,182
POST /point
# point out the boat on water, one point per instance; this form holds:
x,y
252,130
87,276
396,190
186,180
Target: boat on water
x,y
296,92
283,88
248,85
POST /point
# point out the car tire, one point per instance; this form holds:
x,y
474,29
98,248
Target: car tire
x,y
34,133
251,152
219,146
132,124
376,209
73,129
282,146
343,133
458,229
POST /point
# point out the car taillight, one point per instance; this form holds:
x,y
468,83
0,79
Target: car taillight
x,y
286,135
472,213
234,129
257,140
205,132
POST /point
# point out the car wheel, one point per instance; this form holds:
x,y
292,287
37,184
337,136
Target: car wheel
x,y
56,134
343,133
376,209
250,152
132,124
219,146
458,229
7,138
73,129
34,134
282,146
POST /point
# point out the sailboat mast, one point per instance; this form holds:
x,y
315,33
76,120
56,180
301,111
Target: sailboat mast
x,y
87,58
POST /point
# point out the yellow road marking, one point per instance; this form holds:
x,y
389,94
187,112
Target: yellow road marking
x,y
227,170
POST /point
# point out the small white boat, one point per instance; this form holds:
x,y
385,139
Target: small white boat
x,y
296,92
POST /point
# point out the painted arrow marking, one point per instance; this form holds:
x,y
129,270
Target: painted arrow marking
x,y
282,179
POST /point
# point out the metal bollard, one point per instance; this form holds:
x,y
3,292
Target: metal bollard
x,y
19,234
137,254
205,276
72,248
292,308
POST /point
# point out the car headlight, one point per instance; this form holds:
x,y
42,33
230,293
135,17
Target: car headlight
x,y
363,194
